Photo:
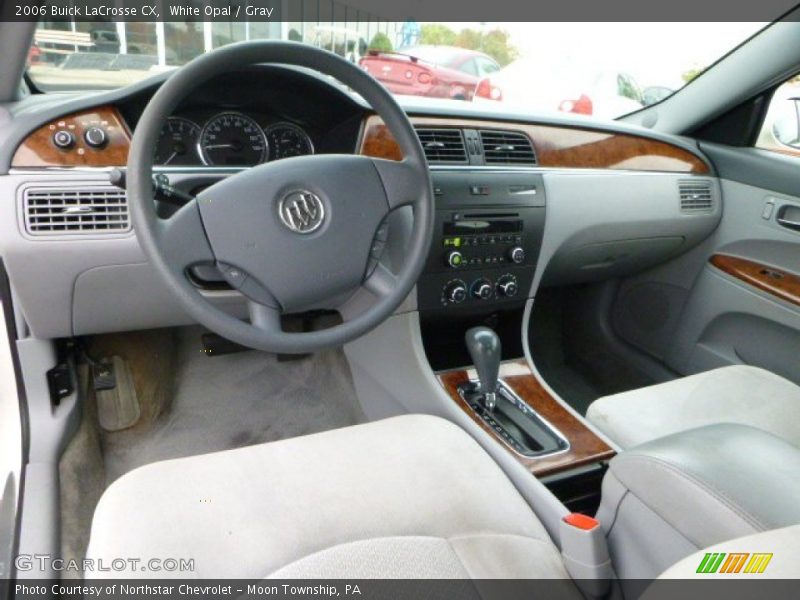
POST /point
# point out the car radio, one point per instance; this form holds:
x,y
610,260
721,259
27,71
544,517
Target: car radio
x,y
484,248
475,240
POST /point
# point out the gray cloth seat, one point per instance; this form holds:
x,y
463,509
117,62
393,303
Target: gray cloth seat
x,y
737,394
411,496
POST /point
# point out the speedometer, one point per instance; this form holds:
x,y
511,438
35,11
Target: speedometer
x,y
286,140
233,139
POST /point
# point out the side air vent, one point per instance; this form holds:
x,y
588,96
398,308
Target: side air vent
x,y
696,195
75,211
443,146
507,148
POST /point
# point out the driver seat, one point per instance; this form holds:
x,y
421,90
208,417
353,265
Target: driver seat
x,y
407,497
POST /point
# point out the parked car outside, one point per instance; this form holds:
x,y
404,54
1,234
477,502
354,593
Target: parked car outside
x,y
567,87
434,71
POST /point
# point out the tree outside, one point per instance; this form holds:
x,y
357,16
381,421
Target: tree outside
x,y
496,43
381,43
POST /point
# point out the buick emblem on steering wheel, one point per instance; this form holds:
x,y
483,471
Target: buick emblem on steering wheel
x,y
301,211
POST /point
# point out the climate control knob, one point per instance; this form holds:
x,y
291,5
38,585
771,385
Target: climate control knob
x,y
455,259
481,289
516,254
507,286
455,292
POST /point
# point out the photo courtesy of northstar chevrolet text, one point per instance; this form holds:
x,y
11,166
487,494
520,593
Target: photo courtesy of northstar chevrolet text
x,y
392,299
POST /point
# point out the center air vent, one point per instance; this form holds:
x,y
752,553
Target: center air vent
x,y
696,195
443,146
507,148
71,211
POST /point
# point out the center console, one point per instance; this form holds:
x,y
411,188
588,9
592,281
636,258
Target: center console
x,y
488,232
479,274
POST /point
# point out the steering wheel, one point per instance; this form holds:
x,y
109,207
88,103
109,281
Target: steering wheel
x,y
290,235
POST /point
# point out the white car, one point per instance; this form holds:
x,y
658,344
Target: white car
x,y
569,87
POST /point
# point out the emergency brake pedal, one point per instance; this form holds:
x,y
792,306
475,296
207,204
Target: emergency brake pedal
x,y
117,403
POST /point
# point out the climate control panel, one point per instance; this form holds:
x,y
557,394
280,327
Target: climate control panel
x,y
456,291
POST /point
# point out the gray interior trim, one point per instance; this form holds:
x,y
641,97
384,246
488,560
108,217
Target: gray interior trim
x,y
51,428
15,40
766,169
604,225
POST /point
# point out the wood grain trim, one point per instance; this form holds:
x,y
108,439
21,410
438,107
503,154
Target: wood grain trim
x,y
558,147
38,149
585,446
776,282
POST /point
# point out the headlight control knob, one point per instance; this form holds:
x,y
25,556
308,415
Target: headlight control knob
x,y
95,137
63,139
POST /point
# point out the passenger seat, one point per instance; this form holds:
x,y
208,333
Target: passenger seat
x,y
737,394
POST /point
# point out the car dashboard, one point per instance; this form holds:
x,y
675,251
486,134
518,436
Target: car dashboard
x,y
522,201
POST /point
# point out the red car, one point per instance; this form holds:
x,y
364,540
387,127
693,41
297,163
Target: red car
x,y
435,71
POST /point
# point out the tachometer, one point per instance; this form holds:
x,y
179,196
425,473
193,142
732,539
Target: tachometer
x,y
233,139
177,143
287,139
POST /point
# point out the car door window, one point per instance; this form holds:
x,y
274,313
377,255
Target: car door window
x,y
469,66
780,131
487,67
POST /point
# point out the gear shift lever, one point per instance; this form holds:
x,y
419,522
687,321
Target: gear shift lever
x,y
484,348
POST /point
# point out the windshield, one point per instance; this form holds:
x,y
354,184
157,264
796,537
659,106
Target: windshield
x,y
602,70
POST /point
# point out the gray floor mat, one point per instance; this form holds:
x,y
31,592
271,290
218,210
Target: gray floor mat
x,y
237,400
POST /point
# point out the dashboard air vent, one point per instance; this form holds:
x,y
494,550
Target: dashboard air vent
x,y
443,146
507,148
696,195
70,211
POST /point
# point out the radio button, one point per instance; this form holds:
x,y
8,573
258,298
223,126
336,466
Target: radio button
x,y
455,259
516,254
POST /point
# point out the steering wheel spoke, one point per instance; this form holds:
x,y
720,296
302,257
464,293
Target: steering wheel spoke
x,y
264,318
381,282
401,181
183,239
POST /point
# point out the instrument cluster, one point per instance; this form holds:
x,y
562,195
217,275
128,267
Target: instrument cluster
x,y
229,139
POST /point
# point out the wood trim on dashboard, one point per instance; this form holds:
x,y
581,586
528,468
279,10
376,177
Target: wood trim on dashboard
x,y
557,147
585,447
776,282
39,150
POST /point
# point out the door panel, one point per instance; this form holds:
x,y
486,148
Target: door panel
x,y
736,298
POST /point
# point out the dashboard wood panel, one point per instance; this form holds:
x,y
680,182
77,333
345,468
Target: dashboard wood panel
x,y
557,147
39,150
585,447
775,282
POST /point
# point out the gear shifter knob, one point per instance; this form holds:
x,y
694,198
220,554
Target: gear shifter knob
x,y
483,345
